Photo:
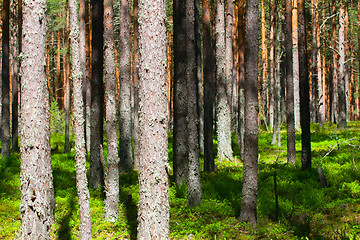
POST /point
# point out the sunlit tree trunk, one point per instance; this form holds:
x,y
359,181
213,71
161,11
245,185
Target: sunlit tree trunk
x,y
37,192
229,53
272,63
304,90
264,62
67,96
242,78
342,78
78,71
97,94
334,85
295,38
250,176
223,109
126,160
153,210
5,78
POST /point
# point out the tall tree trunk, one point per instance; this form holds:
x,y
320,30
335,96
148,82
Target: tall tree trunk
x,y
314,74
5,77
153,211
136,85
67,96
304,91
37,192
242,78
223,109
264,62
97,94
126,160
78,71
180,159
88,76
342,78
291,153
249,191
357,85
209,89
334,95
347,60
112,173
14,52
295,51
193,178
272,63
229,54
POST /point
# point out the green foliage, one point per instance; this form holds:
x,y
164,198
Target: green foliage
x,y
57,119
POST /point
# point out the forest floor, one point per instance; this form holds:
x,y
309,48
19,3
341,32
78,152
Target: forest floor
x,y
306,209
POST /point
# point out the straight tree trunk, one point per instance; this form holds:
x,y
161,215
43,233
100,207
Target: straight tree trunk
x,y
112,173
88,76
342,78
314,74
209,89
97,94
126,160
304,91
37,192
291,153
14,52
357,85
229,54
5,77
242,78
153,210
78,71
347,61
223,109
272,63
264,59
250,176
295,51
67,94
334,95
193,177
180,157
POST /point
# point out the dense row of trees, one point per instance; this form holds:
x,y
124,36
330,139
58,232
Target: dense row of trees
x,y
195,68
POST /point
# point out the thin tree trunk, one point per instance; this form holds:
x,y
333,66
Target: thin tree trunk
x,y
272,63
229,54
180,159
88,76
334,95
223,88
304,91
97,94
291,153
153,211
37,192
295,51
242,78
78,71
209,89
5,77
193,173
250,177
264,59
67,96
15,45
342,78
126,160
347,61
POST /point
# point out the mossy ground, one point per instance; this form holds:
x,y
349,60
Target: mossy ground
x,y
306,210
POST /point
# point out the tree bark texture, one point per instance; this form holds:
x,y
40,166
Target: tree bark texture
x,y
250,175
334,85
193,177
304,91
291,153
295,51
126,159
342,75
112,176
242,77
14,62
264,63
153,210
229,54
5,77
223,87
37,192
209,89
78,71
180,157
97,94
272,63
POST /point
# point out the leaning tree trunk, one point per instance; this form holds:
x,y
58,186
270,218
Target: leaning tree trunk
x,y
37,192
153,211
97,94
249,191
112,173
304,91
5,77
223,109
78,71
126,159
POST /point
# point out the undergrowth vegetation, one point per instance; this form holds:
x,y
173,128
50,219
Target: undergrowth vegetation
x,y
305,210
